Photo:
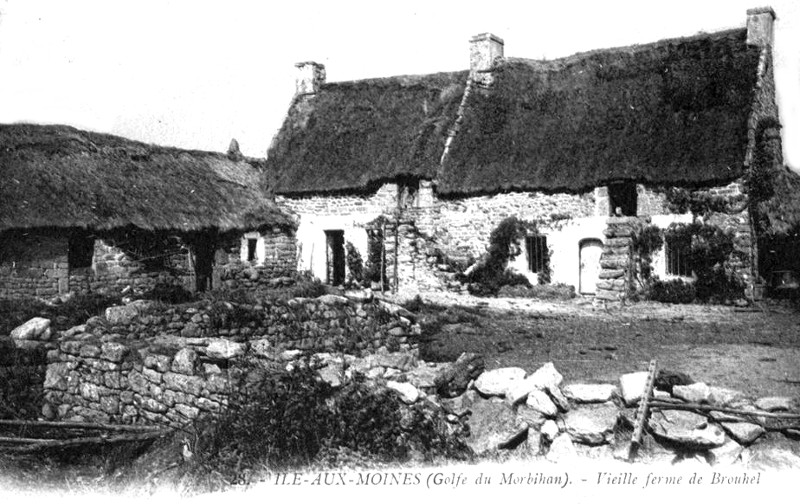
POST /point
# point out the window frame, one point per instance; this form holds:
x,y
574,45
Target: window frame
x,y
536,243
682,267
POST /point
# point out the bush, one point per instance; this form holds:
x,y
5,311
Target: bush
x,y
290,419
21,379
169,293
672,291
490,274
710,248
355,265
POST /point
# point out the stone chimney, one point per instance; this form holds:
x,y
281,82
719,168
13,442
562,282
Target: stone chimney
x,y
759,26
310,77
484,49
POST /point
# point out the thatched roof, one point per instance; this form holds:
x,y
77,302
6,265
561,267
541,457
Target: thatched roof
x,y
351,135
673,112
59,176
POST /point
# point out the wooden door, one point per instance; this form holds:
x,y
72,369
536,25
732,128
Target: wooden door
x,y
590,252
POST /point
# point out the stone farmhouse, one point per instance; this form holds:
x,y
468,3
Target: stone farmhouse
x,y
83,211
414,171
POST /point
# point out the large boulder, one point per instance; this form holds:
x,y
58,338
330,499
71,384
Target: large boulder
x,y
590,392
497,381
632,386
694,393
743,432
184,361
123,315
408,393
538,400
687,429
222,349
545,378
37,328
775,403
592,424
493,425
454,379
720,396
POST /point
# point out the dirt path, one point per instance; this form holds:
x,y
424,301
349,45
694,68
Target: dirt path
x,y
755,351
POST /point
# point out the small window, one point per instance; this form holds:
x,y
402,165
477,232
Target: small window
x,y
252,243
80,251
622,199
407,192
678,260
536,247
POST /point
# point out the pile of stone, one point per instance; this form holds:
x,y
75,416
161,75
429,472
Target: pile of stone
x,y
509,409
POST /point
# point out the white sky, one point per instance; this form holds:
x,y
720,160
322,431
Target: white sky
x,y
195,74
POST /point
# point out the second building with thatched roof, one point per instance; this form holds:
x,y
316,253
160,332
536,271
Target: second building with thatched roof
x,y
89,212
411,174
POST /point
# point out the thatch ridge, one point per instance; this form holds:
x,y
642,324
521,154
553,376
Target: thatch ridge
x,y
351,134
60,176
674,112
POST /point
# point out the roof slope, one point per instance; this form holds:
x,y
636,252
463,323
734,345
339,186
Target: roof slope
x,y
350,135
672,112
59,176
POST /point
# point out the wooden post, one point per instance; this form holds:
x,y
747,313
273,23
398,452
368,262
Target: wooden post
x,y
644,407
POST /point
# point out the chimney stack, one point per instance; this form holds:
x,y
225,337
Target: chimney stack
x,y
484,49
759,26
310,77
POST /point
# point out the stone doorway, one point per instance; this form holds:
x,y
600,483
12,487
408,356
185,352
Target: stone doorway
x,y
334,240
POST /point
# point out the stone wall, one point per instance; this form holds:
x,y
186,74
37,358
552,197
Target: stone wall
x,y
36,264
349,213
463,225
276,260
33,265
459,229
143,363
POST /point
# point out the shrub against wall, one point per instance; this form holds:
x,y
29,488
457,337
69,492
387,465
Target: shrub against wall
x,y
491,272
709,249
291,418
355,266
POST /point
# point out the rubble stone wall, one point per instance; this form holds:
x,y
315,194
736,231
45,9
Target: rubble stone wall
x,y
145,364
36,265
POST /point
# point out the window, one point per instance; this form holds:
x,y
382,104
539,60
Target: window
x,y
80,250
536,246
678,260
622,199
252,243
407,190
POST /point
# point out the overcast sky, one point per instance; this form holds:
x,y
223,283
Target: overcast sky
x,y
195,74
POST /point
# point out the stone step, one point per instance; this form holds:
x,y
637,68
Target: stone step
x,y
611,273
614,263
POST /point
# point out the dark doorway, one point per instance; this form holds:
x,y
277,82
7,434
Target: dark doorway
x,y
203,264
622,199
335,255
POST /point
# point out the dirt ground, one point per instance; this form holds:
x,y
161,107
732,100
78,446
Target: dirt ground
x,y
755,349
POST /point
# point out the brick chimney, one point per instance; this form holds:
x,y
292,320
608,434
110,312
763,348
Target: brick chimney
x,y
759,26
310,77
484,49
